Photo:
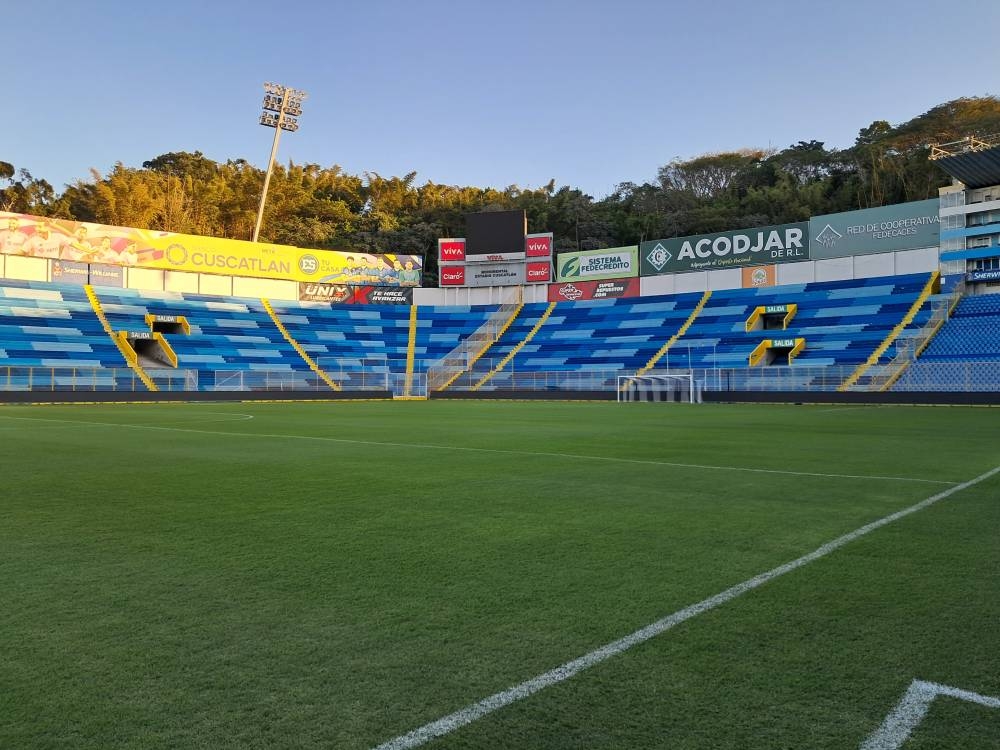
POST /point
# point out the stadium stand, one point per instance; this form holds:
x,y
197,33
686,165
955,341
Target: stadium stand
x,y
965,353
249,344
364,345
50,339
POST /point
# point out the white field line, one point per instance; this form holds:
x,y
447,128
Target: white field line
x,y
912,709
839,409
501,451
475,711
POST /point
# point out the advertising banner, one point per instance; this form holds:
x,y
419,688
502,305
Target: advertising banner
x,y
905,226
451,250
21,234
494,258
538,245
538,272
613,263
759,276
452,276
981,276
105,275
354,295
70,272
494,274
572,291
743,247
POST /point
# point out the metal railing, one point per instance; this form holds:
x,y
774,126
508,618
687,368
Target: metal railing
x,y
911,344
918,376
93,379
462,357
965,377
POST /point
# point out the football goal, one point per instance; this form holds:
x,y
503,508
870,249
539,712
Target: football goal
x,y
675,387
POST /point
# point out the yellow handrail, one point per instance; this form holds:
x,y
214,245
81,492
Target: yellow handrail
x,y
933,283
673,339
490,342
298,347
127,352
411,347
516,349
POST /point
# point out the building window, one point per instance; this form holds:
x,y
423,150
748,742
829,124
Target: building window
x,y
953,199
976,242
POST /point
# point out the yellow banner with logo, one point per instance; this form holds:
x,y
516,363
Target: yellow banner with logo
x,y
22,234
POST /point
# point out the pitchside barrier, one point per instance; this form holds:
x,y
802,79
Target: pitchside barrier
x,y
384,376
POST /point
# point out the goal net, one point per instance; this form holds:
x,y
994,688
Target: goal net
x,y
676,387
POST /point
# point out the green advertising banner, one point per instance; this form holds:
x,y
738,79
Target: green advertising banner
x,y
737,249
905,226
593,265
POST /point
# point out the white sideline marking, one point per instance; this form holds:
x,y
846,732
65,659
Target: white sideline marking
x,y
468,449
912,709
475,711
851,408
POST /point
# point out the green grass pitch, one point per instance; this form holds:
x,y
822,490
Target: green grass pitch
x,y
336,575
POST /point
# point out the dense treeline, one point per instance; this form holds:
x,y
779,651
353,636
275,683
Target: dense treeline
x,y
313,206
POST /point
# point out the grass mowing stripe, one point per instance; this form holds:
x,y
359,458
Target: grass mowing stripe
x,y
478,710
468,449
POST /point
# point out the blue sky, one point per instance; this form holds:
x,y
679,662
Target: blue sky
x,y
473,93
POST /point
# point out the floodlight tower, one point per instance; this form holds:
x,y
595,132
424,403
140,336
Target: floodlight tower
x,y
282,107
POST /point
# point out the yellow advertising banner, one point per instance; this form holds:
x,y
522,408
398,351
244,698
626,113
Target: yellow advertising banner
x,y
62,239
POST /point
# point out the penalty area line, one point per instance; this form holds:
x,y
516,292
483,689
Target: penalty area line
x,y
494,451
475,711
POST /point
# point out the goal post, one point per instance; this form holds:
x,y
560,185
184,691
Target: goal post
x,y
675,388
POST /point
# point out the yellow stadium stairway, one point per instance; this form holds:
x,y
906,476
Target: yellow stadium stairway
x,y
516,349
932,286
489,343
411,347
673,339
128,353
298,347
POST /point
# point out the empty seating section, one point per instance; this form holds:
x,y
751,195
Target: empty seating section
x,y
356,345
842,321
235,343
585,344
965,353
51,339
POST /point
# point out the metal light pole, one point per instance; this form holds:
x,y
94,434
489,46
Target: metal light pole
x,y
282,107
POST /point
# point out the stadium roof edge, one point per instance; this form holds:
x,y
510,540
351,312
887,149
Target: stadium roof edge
x,y
975,162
